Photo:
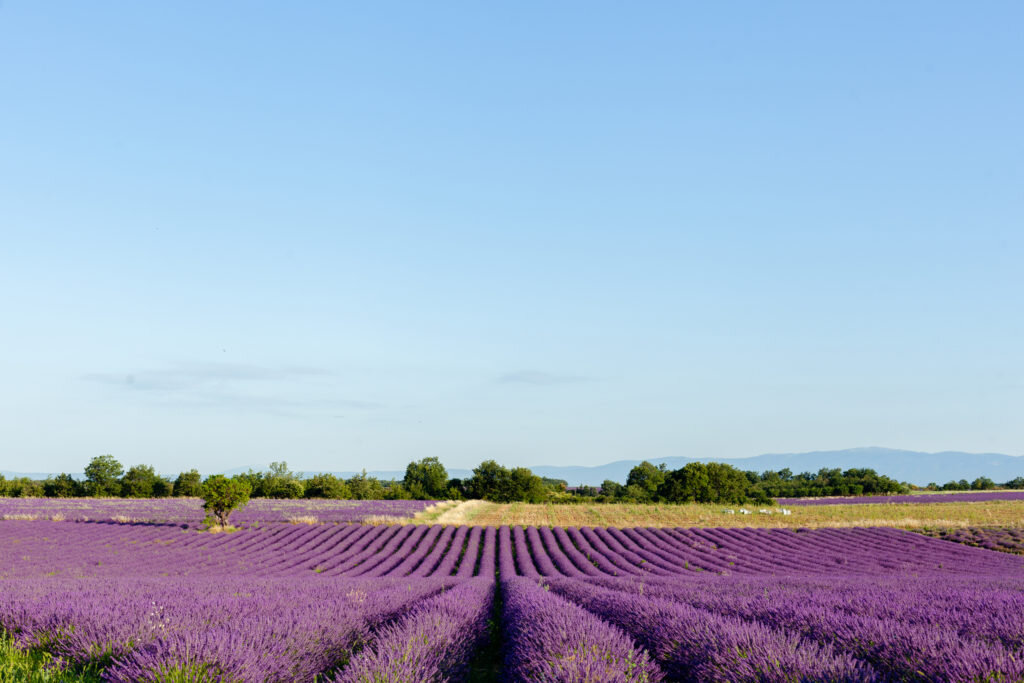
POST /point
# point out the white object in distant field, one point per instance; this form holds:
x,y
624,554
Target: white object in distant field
x,y
744,511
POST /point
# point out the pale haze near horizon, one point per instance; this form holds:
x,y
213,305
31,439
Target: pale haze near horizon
x,y
351,236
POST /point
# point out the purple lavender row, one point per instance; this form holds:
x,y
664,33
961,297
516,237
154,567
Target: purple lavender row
x,y
190,510
551,639
921,645
142,625
701,646
433,642
424,551
1003,540
972,497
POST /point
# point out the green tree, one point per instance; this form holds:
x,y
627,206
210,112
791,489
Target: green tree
x,y
393,490
221,496
612,489
365,487
487,481
491,481
254,480
281,482
524,486
102,476
62,486
163,487
727,484
646,478
23,487
327,486
188,484
689,484
426,479
138,482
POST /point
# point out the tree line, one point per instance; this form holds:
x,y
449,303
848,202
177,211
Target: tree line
x,y
427,479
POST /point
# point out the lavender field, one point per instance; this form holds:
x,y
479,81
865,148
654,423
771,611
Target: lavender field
x,y
964,497
430,603
1004,540
189,511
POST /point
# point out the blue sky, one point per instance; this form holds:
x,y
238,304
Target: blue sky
x,y
355,234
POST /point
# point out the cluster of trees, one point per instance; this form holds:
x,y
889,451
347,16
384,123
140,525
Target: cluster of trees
x,y
427,479
695,482
827,482
721,483
105,477
979,484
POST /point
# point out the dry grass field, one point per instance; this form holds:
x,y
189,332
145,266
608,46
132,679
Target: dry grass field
x,y
1002,513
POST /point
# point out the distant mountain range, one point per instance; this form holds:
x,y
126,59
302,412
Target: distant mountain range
x,y
911,466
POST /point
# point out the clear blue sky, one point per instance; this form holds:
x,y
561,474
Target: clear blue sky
x,y
354,234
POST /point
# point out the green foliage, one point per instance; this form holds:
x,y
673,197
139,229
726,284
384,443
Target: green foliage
x,y
612,489
426,479
327,486
1017,483
394,490
102,476
280,482
138,482
491,481
222,495
713,482
645,479
828,482
34,666
23,487
162,487
365,487
62,486
982,484
555,485
688,484
188,483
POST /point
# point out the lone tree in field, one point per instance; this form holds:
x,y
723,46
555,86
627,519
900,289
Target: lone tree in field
x,y
221,496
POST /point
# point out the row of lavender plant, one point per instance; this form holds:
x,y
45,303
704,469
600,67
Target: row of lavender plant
x,y
1007,540
965,497
415,550
552,639
912,629
431,643
189,511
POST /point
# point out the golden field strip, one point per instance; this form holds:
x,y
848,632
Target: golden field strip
x,y
1002,513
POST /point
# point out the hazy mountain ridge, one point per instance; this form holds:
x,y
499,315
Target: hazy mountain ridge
x,y
915,467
